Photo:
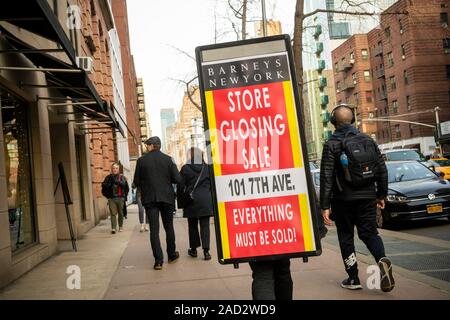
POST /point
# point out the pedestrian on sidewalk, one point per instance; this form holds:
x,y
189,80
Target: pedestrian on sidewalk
x,y
115,188
155,173
272,280
141,210
194,196
353,183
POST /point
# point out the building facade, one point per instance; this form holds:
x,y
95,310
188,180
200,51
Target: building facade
x,y
411,61
354,80
144,119
167,116
323,32
55,114
187,131
123,154
120,13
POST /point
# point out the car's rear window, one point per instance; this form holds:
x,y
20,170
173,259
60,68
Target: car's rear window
x,y
404,155
398,172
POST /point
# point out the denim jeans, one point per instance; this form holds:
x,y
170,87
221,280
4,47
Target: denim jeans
x,y
272,280
141,209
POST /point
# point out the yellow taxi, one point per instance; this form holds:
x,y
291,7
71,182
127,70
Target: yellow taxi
x,y
442,165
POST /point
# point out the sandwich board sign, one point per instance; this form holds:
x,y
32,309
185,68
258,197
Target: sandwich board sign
x,y
263,197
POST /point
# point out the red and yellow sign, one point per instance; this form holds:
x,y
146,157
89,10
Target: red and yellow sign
x,y
263,205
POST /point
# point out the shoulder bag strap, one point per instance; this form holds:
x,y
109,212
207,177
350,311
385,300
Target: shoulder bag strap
x,y
198,179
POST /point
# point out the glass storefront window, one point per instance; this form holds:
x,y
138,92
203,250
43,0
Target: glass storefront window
x,y
16,147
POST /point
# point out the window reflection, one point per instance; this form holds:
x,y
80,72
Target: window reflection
x,y
18,173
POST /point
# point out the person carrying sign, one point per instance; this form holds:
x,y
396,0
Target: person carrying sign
x,y
194,195
155,173
353,183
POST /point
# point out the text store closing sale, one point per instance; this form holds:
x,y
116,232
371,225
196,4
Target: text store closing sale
x,y
260,179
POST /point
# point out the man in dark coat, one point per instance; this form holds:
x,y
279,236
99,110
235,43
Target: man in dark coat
x,y
198,210
350,205
154,176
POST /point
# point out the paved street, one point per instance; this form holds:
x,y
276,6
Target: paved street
x,y
120,267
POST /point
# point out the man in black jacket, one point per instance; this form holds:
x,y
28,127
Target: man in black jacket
x,y
155,173
351,206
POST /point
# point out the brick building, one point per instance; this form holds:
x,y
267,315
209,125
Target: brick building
x,y
119,9
96,22
409,64
52,112
353,79
415,58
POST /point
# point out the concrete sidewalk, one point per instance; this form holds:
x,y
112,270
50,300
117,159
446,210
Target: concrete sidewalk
x,y
121,267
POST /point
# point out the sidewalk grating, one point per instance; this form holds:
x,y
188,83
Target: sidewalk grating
x,y
421,262
441,275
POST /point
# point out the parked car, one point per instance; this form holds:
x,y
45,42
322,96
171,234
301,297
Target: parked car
x,y
405,155
313,166
315,174
442,165
415,193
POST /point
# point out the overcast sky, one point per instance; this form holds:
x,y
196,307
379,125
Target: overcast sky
x,y
158,25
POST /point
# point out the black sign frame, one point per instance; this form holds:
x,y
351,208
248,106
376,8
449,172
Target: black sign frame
x,y
300,122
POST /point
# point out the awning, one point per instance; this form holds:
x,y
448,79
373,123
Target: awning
x,y
37,17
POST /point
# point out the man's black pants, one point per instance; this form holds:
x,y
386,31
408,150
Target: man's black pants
x,y
362,214
272,280
194,236
152,212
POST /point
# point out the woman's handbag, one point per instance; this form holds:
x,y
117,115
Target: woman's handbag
x,y
186,195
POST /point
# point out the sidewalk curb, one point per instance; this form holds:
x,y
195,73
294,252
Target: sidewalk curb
x,y
412,275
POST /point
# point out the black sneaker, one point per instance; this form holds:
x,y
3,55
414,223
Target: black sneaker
x,y
175,258
351,283
158,266
192,253
207,255
387,282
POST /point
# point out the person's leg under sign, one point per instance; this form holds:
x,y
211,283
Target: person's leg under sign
x,y
272,280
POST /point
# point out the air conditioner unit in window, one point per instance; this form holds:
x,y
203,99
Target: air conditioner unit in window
x,y
447,50
401,31
403,57
444,25
85,63
352,61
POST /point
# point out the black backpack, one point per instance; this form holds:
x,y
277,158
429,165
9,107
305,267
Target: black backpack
x,y
363,161
107,187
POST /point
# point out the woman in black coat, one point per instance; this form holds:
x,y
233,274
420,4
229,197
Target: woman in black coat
x,y
199,209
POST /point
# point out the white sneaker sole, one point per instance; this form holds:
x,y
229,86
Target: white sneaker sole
x,y
352,287
387,282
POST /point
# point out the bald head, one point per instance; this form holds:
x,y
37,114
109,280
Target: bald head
x,y
343,116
